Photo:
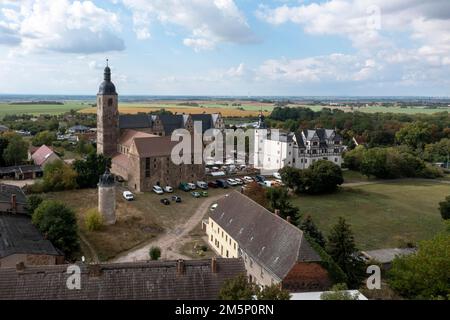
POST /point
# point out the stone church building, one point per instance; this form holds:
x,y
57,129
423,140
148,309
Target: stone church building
x,y
140,145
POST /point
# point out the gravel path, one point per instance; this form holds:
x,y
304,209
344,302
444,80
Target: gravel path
x,y
171,241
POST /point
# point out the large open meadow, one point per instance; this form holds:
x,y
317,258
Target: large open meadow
x,y
383,214
37,109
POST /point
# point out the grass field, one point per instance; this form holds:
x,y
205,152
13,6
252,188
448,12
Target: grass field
x,y
381,215
37,109
375,109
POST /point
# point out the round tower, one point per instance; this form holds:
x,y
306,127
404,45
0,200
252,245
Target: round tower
x,y
107,197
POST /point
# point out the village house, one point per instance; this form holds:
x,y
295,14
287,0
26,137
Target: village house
x,y
274,251
152,280
20,241
42,155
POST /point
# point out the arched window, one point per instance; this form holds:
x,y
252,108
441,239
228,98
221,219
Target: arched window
x,y
110,102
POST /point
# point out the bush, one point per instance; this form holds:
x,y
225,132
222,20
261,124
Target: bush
x,y
93,220
33,202
444,208
59,176
58,223
154,253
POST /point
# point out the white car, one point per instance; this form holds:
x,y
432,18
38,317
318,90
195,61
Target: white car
x,y
231,182
248,179
128,195
214,206
192,186
277,175
168,189
202,185
158,190
238,181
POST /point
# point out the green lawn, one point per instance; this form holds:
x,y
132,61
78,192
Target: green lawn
x,y
381,215
37,109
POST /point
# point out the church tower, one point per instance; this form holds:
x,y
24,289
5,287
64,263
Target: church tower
x,y
107,116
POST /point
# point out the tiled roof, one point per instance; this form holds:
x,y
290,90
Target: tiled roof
x,y
41,155
267,238
135,121
154,146
205,119
121,160
18,235
7,190
172,122
126,138
153,280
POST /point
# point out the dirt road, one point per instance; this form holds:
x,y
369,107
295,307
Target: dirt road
x,y
171,241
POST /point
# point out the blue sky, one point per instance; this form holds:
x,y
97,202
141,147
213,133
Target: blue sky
x,y
227,47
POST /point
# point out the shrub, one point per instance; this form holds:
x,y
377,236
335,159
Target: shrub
x,y
33,201
93,220
154,253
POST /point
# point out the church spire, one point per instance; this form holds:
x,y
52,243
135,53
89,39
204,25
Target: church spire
x,y
107,73
107,87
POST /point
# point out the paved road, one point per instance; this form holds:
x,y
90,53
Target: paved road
x,y
171,241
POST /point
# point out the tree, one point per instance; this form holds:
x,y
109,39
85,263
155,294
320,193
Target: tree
x,y
93,220
339,292
444,208
438,152
415,134
325,177
425,274
84,147
238,288
59,225
3,144
257,193
59,176
44,137
154,253
89,170
341,247
33,201
309,227
374,163
278,199
353,158
273,292
16,151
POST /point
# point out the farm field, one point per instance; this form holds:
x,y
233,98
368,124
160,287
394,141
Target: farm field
x,y
381,215
37,109
375,109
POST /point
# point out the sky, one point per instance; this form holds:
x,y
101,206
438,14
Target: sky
x,y
227,47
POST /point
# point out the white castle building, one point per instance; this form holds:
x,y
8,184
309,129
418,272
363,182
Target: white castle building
x,y
274,149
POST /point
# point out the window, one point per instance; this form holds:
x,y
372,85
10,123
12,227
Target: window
x,y
212,238
147,167
110,102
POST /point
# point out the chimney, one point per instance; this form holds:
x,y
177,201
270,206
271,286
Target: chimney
x,y
20,266
13,202
277,212
180,267
95,270
288,219
213,265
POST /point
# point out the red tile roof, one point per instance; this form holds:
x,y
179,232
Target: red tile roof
x,y
41,154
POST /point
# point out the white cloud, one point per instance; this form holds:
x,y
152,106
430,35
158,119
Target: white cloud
x,y
62,26
207,22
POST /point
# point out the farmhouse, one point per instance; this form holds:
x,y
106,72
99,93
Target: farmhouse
x,y
140,145
275,150
274,251
153,280
43,155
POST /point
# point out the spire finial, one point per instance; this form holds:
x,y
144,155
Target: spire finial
x,y
107,62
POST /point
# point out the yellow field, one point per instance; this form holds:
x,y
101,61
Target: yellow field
x,y
226,112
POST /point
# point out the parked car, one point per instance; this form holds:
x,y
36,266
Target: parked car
x,y
192,186
238,181
184,186
168,189
176,198
222,183
260,178
165,201
158,190
262,184
232,182
277,175
202,185
213,184
196,194
248,179
128,195
213,207
204,193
